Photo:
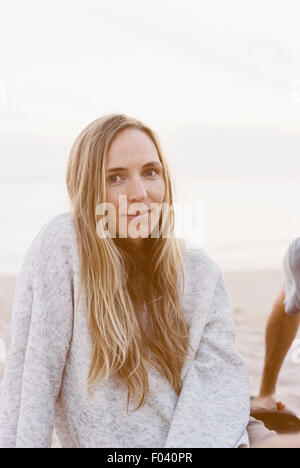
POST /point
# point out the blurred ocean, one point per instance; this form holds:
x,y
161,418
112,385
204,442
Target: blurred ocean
x,y
244,225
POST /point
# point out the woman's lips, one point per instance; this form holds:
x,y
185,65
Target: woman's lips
x,y
142,215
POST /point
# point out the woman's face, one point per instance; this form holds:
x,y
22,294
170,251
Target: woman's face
x,y
134,178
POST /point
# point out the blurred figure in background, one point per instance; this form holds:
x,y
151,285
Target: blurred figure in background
x,y
281,329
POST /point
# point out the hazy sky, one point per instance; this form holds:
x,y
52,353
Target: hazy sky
x,y
211,62
176,65
219,80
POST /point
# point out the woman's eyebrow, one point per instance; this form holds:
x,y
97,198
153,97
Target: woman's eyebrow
x,y
114,169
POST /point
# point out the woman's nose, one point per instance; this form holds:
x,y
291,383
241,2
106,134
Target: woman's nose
x,y
136,190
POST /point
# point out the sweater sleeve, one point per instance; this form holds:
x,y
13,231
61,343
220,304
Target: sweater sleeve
x,y
213,408
41,330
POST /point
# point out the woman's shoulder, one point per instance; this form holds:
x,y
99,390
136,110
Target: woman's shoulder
x,y
198,263
54,240
61,225
59,229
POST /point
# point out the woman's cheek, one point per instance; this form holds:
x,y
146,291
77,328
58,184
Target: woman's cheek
x,y
160,192
155,189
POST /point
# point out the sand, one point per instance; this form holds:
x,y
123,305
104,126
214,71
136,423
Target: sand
x,y
253,293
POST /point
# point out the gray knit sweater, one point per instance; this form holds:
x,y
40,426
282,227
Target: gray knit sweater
x,y
46,372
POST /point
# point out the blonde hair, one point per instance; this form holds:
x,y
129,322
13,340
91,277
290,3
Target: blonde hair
x,y
121,345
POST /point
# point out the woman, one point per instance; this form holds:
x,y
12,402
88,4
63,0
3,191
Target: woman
x,y
105,316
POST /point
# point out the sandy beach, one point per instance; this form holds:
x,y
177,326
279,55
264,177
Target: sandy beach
x,y
253,294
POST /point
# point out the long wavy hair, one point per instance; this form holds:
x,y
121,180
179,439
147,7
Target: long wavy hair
x,y
120,283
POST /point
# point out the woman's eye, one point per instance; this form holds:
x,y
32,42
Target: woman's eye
x,y
111,178
152,170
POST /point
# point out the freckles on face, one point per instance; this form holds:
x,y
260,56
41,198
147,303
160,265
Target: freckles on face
x,y
134,171
140,180
154,193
